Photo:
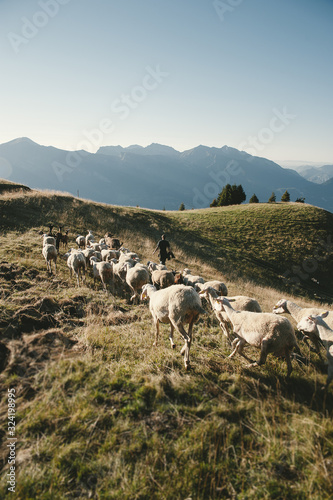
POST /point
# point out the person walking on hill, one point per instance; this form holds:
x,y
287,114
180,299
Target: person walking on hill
x,y
164,250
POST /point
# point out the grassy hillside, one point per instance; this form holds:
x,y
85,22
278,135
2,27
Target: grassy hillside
x,y
102,414
288,246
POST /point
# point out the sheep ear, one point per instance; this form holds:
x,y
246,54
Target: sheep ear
x,y
325,314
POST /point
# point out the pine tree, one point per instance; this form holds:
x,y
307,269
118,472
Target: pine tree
x,y
230,195
254,199
285,197
182,207
272,198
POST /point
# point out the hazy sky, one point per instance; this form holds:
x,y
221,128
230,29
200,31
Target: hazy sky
x,y
251,74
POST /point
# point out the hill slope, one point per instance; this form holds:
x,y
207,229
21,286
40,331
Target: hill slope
x,y
100,413
288,246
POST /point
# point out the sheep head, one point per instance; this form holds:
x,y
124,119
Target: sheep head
x,y
280,307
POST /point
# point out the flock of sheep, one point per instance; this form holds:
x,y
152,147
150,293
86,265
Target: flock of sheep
x,y
176,299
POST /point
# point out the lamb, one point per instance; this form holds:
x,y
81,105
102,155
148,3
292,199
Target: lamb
x,y
89,238
190,279
136,277
240,303
102,271
219,286
177,305
314,323
76,262
162,279
50,254
266,331
298,313
80,241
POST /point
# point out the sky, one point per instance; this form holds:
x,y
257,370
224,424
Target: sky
x,y
256,75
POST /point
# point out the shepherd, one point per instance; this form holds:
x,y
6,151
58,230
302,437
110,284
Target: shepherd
x,y
164,250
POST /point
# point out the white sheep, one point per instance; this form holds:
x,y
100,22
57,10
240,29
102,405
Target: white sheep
x,y
89,238
191,279
76,262
108,254
136,277
239,302
162,279
314,323
124,257
177,305
219,286
102,271
50,254
156,267
80,241
266,331
94,246
298,313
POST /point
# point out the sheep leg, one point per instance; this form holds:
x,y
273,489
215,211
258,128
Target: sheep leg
x,y
236,342
241,346
263,354
173,345
188,339
157,331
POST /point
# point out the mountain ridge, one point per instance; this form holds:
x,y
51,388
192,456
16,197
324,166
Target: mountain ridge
x,y
155,176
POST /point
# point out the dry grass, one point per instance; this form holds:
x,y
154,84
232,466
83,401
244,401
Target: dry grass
x,y
103,414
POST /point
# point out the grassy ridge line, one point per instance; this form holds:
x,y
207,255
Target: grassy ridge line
x,y
10,187
257,242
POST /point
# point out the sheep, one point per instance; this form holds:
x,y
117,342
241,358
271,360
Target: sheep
x,y
89,237
162,279
49,240
108,254
102,271
154,267
50,254
298,313
240,303
64,239
190,279
136,277
76,262
94,246
88,253
80,241
128,255
112,242
266,331
177,305
313,324
219,286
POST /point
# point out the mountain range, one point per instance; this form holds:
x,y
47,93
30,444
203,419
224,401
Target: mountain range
x,y
155,176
